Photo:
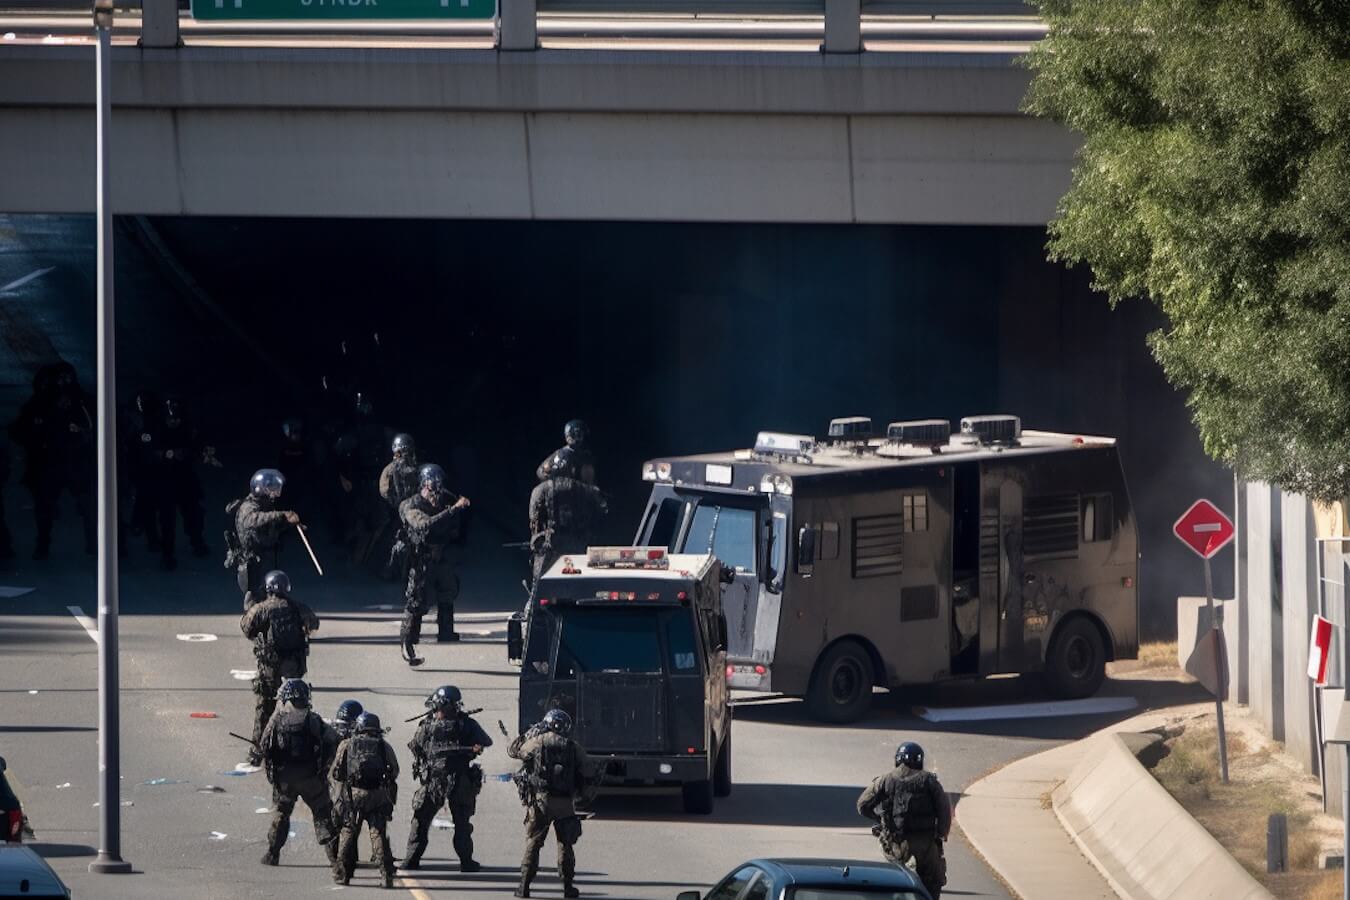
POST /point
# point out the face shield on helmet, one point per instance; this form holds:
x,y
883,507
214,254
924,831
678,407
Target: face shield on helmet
x,y
447,697
432,478
909,754
558,722
347,712
266,484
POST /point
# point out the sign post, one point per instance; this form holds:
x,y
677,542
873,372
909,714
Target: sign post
x,y
1206,530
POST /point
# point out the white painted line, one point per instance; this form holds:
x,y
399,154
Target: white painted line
x,y
485,616
196,638
88,624
1049,709
243,674
25,279
9,593
218,835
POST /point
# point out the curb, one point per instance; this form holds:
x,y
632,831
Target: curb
x,y
1138,837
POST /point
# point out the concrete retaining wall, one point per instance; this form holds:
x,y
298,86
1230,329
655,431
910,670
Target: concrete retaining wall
x,y
1141,839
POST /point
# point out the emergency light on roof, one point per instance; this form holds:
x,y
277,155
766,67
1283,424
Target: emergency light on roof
x,y
778,444
851,428
1005,430
920,432
627,558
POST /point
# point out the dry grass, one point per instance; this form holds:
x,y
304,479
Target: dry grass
x,y
1158,655
1304,850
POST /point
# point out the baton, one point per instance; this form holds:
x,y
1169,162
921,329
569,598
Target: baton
x,y
301,530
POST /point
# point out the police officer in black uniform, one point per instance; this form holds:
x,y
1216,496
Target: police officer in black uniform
x,y
344,723
399,481
432,520
564,512
298,748
279,627
444,748
554,775
913,816
367,766
576,436
254,540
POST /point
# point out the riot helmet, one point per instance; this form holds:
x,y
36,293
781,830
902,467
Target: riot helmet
x,y
368,723
432,477
447,697
266,483
347,713
64,377
909,754
277,583
575,433
563,464
558,722
403,446
295,692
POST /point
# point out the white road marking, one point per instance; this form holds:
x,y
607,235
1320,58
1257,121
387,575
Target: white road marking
x,y
484,616
196,638
218,835
1048,709
31,276
88,624
243,674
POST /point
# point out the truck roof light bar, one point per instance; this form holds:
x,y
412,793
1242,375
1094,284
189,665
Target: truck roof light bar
x,y
627,558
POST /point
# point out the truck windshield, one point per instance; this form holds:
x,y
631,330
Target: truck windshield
x,y
727,532
609,640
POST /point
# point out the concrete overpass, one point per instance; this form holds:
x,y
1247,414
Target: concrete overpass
x,y
443,125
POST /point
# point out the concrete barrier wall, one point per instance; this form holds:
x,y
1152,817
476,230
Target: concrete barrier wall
x,y
1141,839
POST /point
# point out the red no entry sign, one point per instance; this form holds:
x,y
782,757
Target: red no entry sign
x,y
1204,529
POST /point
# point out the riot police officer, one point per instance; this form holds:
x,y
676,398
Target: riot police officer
x,y
564,512
279,627
366,765
398,482
576,436
177,448
444,747
554,772
432,524
298,748
256,537
913,816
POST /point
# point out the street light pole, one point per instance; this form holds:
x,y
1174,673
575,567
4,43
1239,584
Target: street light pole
x,y
109,765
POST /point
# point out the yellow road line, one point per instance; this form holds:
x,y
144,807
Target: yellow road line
x,y
413,887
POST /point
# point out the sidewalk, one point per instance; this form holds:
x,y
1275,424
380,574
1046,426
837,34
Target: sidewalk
x,y
1008,819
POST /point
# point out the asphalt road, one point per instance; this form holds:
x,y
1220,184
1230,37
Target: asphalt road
x,y
796,781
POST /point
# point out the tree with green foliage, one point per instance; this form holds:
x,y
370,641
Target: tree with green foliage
x,y
1214,179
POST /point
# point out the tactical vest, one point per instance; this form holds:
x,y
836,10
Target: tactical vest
x,y
296,741
569,508
285,636
912,808
444,751
366,766
557,768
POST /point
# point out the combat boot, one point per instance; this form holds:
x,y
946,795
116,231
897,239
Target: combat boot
x,y
270,858
469,865
523,889
331,848
388,879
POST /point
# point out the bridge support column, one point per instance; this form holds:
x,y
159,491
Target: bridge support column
x,y
159,23
518,28
843,26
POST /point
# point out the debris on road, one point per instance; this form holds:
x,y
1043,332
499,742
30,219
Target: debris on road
x,y
210,789
263,810
202,715
218,835
32,692
61,787
196,638
442,824
158,781
123,803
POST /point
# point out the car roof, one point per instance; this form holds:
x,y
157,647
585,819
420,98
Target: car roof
x,y
830,872
19,863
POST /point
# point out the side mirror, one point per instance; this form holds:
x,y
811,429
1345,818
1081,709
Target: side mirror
x,y
687,895
806,549
721,631
515,637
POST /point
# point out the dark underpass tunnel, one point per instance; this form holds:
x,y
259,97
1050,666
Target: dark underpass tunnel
x,y
482,338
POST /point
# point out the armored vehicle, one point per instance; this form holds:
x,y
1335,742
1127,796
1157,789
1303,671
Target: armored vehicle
x,y
863,561
631,642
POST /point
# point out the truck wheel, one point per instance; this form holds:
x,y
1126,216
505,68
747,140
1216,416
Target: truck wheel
x,y
841,690
1075,667
698,798
722,774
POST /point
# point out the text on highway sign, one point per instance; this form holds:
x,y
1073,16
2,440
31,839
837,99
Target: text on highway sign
x,y
1204,528
344,9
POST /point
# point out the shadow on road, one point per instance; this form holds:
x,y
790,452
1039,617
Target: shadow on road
x,y
44,729
808,805
60,851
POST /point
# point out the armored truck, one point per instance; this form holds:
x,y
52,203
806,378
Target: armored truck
x,y
631,642
916,556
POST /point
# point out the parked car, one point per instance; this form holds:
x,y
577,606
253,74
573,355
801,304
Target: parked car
x,y
25,874
815,879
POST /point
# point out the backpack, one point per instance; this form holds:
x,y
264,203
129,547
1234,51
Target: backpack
x,y
559,770
285,635
366,766
912,807
294,742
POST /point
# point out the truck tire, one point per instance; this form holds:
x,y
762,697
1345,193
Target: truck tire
x,y
841,689
698,798
1075,667
722,774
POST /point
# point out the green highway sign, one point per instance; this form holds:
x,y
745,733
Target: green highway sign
x,y
343,9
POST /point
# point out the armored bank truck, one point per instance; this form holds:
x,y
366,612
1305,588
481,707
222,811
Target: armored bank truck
x,y
631,643
916,557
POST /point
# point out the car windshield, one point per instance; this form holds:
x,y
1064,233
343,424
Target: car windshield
x,y
609,640
727,532
857,893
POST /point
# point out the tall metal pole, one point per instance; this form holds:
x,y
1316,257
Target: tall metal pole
x,y
109,764
1220,682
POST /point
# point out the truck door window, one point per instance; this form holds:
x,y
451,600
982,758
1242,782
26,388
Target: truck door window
x,y
778,549
1098,518
663,525
682,643
727,532
599,640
